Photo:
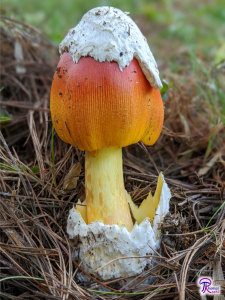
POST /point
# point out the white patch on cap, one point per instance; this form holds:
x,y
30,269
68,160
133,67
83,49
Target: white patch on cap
x,y
107,34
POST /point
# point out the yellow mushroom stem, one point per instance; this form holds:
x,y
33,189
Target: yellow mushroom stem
x,y
106,199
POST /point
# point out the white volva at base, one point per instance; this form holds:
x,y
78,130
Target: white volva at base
x,y
101,243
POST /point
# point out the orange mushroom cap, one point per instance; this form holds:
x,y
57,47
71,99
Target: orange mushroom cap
x,y
94,105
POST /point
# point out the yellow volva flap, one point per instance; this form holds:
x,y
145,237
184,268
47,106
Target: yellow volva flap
x,y
148,207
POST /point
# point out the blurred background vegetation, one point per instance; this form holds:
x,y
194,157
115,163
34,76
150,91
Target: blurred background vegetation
x,y
186,37
170,25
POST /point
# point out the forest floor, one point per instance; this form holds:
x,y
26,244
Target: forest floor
x,y
35,251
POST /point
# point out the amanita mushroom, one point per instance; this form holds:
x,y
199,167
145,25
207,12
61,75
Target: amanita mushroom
x,y
105,96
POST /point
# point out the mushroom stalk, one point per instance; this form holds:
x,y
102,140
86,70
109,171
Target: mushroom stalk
x,y
105,194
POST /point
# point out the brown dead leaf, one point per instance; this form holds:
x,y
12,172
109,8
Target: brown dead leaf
x,y
70,180
209,165
185,124
218,278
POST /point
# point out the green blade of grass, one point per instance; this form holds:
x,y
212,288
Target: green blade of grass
x,y
208,230
124,294
6,167
21,277
214,214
